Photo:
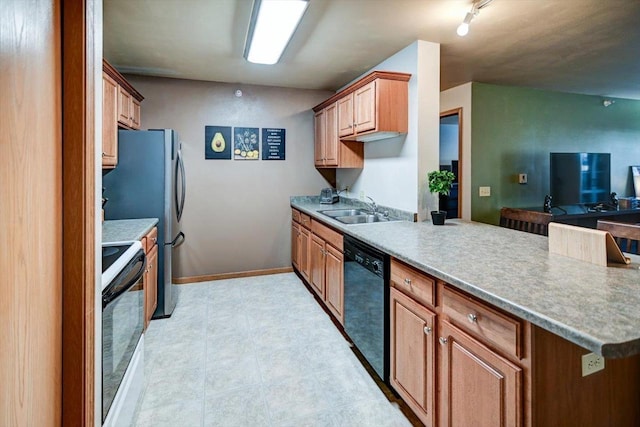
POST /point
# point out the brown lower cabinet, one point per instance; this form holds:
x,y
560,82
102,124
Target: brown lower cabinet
x,y
460,362
478,386
316,253
412,358
150,277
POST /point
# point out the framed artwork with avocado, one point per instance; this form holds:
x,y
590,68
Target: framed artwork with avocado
x,y
246,143
217,142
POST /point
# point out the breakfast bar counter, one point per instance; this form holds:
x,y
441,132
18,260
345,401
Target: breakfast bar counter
x,y
594,307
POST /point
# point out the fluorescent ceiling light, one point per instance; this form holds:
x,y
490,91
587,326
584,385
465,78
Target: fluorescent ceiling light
x,y
273,22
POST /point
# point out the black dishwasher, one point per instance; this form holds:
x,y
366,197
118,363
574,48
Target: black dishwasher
x,y
366,302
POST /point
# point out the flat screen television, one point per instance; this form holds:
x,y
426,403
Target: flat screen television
x,y
580,178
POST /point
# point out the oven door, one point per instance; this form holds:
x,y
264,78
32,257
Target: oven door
x,y
122,324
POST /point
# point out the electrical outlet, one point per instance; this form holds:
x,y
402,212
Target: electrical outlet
x,y
485,191
522,178
591,363
361,197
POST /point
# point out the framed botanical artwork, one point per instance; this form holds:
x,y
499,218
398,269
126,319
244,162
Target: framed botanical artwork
x,y
246,143
217,142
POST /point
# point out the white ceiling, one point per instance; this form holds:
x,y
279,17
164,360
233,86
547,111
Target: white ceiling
x,y
580,46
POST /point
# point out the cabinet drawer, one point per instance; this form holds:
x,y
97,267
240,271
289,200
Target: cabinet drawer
x,y
295,215
151,239
482,321
413,282
305,220
327,234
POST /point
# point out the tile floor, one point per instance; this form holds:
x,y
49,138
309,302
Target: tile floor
x,y
257,352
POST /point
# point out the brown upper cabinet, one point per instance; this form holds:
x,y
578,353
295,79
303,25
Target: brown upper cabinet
x,y
120,109
330,152
375,107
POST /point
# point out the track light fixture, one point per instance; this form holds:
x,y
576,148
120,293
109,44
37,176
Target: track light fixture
x,y
463,29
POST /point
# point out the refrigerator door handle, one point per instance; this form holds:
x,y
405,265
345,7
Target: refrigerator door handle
x,y
178,240
180,169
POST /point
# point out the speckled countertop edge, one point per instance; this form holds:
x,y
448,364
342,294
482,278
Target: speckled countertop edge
x,y
591,306
123,230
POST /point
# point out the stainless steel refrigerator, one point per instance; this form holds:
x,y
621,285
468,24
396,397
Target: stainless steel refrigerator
x,y
149,182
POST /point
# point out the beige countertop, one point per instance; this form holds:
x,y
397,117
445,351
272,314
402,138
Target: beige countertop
x,y
126,230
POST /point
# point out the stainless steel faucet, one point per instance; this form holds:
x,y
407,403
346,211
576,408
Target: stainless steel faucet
x,y
374,207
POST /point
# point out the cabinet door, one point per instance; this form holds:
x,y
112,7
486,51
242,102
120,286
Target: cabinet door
x,y
413,355
319,138
109,122
365,108
151,285
124,107
331,140
303,252
295,237
135,113
334,282
316,267
345,115
478,386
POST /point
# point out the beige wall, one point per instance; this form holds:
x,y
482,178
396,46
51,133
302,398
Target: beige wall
x,y
237,215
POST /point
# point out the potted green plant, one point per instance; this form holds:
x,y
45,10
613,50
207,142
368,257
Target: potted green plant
x,y
440,183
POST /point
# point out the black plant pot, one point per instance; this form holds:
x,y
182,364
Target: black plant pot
x,y
438,217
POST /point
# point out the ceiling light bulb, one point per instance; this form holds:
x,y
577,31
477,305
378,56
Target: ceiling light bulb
x,y
463,29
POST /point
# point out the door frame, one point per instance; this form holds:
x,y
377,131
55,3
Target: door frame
x,y
448,113
81,35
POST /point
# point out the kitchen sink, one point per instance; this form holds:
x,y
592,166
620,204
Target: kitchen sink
x,y
356,216
361,219
333,213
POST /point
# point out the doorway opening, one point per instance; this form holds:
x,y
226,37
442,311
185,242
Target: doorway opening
x,y
451,159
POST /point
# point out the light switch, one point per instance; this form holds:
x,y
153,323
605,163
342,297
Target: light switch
x,y
522,178
485,191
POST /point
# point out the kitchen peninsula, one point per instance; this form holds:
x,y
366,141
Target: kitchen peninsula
x,y
553,309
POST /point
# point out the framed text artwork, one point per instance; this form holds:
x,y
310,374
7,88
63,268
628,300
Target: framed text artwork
x,y
217,142
273,144
246,143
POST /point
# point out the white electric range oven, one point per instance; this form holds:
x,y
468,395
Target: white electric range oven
x,y
123,266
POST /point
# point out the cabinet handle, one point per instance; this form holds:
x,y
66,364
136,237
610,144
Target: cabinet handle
x,y
472,318
427,330
104,154
155,239
407,281
443,340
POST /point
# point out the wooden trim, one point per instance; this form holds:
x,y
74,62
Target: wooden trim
x,y
386,75
223,276
119,78
79,204
452,112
